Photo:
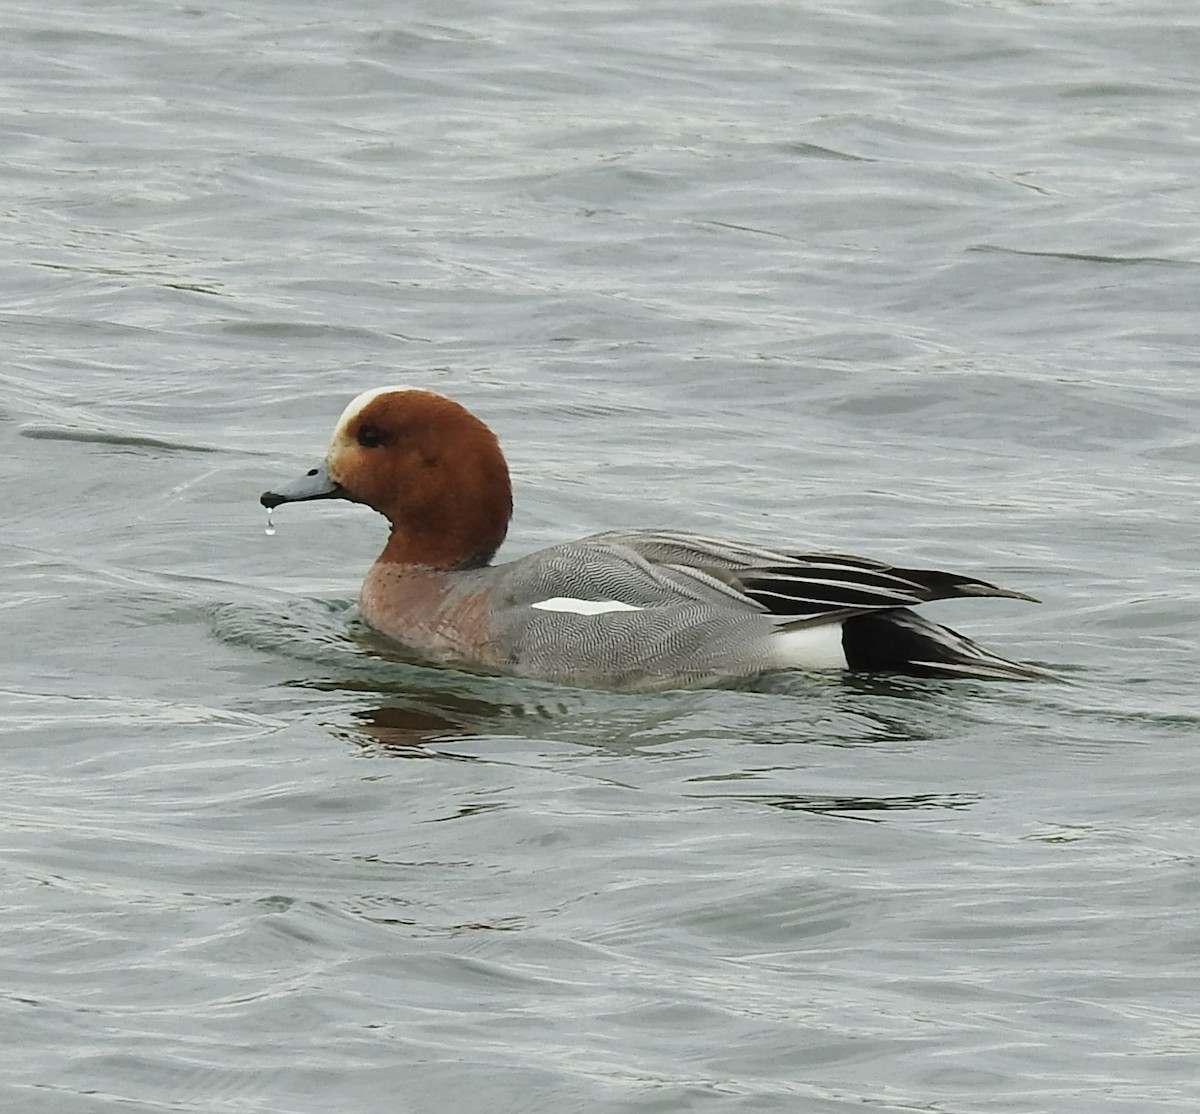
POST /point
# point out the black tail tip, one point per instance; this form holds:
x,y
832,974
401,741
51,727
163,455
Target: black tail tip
x,y
899,641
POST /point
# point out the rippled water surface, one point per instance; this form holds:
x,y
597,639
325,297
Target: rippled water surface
x,y
912,279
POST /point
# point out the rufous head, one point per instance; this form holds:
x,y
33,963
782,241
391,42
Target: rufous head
x,y
426,463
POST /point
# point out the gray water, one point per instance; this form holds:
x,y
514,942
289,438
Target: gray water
x,y
917,280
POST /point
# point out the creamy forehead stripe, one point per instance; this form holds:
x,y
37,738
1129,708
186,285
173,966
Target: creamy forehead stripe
x,y
582,607
361,402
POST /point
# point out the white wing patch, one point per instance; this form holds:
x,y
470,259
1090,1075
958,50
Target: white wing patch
x,y
583,607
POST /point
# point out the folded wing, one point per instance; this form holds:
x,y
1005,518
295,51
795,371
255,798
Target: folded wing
x,y
802,588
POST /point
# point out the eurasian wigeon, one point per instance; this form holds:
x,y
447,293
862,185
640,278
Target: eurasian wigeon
x,y
628,609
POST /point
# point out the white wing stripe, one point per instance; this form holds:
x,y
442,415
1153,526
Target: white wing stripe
x,y
898,586
583,607
893,595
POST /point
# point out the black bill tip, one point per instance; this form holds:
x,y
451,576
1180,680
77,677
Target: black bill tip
x,y
316,483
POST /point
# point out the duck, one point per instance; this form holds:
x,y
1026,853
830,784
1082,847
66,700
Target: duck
x,y
632,610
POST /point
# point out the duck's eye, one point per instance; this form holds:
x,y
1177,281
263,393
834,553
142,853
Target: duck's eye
x,y
371,436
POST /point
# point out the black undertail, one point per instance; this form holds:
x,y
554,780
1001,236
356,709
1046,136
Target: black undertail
x,y
900,641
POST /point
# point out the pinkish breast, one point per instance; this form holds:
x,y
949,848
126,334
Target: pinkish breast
x,y
429,612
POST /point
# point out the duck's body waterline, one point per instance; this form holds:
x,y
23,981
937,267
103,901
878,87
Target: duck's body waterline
x,y
627,610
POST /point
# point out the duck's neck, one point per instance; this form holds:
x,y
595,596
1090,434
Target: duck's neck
x,y
452,535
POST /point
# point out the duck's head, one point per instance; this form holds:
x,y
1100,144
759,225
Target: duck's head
x,y
426,463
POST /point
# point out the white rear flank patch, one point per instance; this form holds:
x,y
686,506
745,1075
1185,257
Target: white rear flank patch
x,y
816,647
583,607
